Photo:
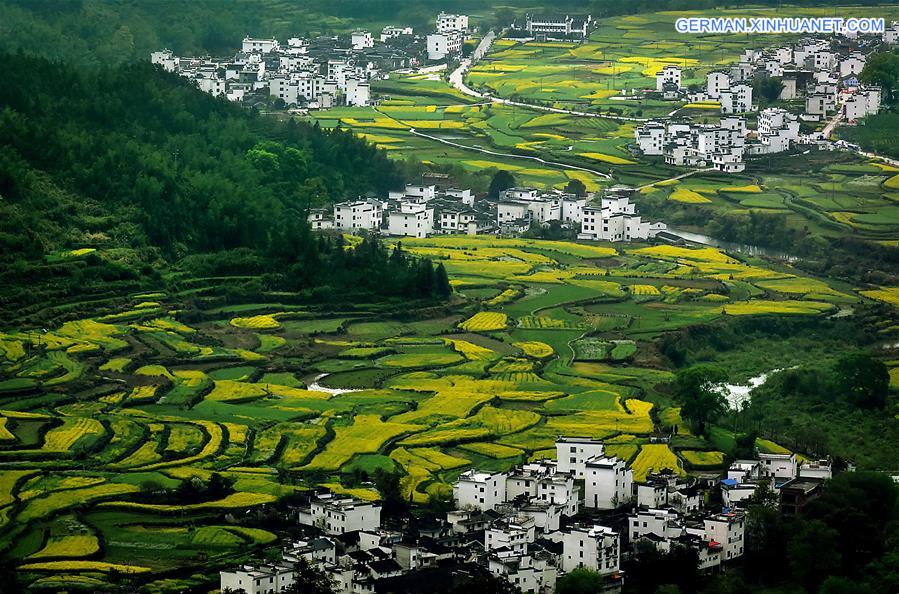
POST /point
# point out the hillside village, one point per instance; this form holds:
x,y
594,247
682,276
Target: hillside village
x,y
322,72
434,208
538,521
818,80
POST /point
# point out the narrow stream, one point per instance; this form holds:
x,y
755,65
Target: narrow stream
x,y
737,394
317,387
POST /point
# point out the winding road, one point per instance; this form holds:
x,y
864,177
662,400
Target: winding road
x,y
457,80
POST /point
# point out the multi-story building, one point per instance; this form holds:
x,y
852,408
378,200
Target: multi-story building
x,y
411,220
572,454
595,547
736,99
669,75
452,22
443,45
320,219
663,523
608,483
479,490
778,466
250,45
727,529
511,533
716,82
166,59
355,215
339,515
650,138
558,26
258,579
361,40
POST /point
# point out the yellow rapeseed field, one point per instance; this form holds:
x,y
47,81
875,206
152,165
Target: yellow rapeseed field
x,y
655,457
261,322
534,348
688,196
485,321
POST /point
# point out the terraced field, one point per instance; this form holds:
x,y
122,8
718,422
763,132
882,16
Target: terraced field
x,y
100,416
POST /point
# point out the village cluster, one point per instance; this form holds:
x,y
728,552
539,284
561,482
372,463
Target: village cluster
x,y
817,75
336,70
538,521
322,72
434,208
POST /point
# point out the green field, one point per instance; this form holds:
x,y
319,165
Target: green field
x,y
426,396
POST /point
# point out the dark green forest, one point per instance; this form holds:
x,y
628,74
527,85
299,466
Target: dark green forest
x,y
142,164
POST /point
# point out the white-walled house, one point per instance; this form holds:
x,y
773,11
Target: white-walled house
x,y
716,82
334,514
361,40
778,466
650,138
736,99
602,223
891,34
668,76
452,22
317,550
411,220
572,210
479,490
663,523
166,59
464,195
728,530
392,32
852,64
320,219
513,534
258,579
572,454
608,483
441,45
526,572
357,215
415,193
596,548
251,45
508,211
652,494
357,92
821,469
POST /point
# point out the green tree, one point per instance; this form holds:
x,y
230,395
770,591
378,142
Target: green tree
x,y
502,180
310,580
441,280
698,390
813,554
580,581
576,187
882,69
768,88
841,585
388,485
864,380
